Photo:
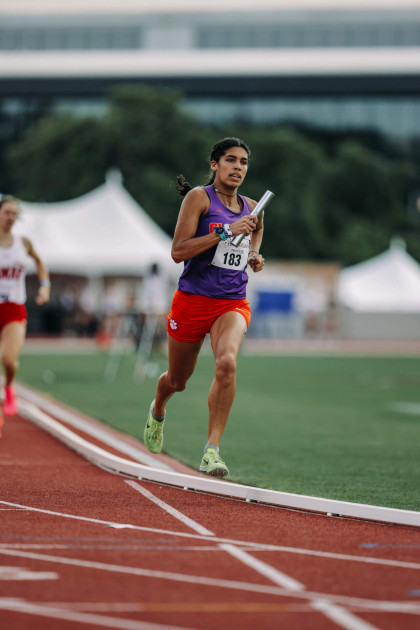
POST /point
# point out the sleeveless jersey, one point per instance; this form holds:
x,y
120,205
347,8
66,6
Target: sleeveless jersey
x,y
13,261
220,271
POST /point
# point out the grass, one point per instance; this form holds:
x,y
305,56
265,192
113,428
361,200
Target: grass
x,y
321,426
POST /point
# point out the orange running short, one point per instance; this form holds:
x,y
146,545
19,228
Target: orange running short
x,y
192,316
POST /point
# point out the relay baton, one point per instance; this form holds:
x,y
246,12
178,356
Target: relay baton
x,y
263,202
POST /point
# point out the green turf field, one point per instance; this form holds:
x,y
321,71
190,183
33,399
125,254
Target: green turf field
x,y
321,426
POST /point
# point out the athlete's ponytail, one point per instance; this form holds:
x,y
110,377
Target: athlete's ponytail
x,y
183,187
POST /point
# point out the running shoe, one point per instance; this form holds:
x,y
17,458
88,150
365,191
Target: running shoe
x,y
213,465
153,432
10,407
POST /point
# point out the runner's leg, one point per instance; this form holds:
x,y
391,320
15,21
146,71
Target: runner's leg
x,y
226,337
182,358
12,340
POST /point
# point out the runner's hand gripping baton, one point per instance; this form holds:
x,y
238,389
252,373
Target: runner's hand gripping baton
x,y
263,202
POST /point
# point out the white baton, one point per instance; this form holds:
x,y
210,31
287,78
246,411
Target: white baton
x,y
265,199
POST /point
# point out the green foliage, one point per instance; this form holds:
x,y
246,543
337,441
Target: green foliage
x,y
362,200
60,158
13,126
337,197
288,164
152,139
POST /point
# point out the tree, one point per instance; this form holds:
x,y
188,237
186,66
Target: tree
x,y
289,165
362,202
152,140
59,158
13,126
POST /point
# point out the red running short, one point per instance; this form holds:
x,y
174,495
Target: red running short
x,y
192,316
11,312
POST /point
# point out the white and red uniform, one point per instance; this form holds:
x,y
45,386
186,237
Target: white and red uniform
x,y
13,262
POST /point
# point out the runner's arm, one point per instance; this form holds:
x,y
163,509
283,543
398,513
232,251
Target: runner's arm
x,y
42,273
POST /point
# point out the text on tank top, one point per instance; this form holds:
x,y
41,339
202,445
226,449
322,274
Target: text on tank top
x,y
13,262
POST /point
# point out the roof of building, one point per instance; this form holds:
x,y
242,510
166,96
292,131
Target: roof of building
x,y
211,63
194,6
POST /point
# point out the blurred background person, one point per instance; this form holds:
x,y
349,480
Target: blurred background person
x,y
154,301
87,317
13,316
111,309
68,304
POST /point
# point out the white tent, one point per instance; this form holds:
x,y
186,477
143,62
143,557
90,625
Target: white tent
x,y
381,297
102,233
389,282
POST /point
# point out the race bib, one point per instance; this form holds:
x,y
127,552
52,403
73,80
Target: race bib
x,y
227,256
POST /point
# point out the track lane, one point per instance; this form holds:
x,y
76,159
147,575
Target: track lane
x,y
46,475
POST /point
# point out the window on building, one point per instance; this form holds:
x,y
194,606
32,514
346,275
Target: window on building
x,y
305,35
94,38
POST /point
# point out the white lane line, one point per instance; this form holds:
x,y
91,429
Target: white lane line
x,y
341,617
116,546
251,546
16,574
72,516
366,604
202,607
20,606
264,569
171,510
149,573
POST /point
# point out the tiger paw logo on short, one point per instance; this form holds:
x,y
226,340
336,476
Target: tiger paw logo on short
x,y
173,324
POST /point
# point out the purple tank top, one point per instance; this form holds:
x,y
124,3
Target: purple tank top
x,y
220,271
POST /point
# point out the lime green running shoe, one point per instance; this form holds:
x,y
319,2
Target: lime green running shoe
x,y
153,432
213,465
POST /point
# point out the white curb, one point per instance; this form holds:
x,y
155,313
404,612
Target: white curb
x,y
120,466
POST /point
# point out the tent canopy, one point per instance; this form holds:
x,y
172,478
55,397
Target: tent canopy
x,y
388,283
102,233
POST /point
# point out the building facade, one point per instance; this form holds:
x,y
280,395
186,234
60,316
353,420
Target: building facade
x,y
345,64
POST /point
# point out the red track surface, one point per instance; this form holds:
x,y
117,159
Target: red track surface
x,y
80,547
